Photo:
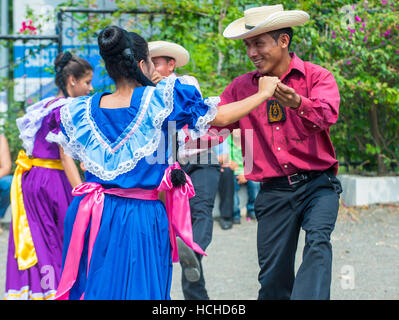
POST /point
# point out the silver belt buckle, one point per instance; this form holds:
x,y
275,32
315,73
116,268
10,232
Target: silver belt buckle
x,y
289,179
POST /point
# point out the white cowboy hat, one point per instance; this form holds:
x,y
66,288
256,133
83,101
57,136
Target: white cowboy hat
x,y
264,19
169,49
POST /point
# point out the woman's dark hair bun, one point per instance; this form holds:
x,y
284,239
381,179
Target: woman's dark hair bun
x,y
59,65
111,41
121,52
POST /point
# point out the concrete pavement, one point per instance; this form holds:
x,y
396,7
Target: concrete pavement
x,y
365,263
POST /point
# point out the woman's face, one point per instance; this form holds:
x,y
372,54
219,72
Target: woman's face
x,y
147,67
80,87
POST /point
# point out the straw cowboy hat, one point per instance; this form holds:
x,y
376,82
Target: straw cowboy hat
x,y
169,49
264,19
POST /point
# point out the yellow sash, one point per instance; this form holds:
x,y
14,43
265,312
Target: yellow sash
x,y
24,249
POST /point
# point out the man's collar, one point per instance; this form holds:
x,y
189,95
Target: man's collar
x,y
296,63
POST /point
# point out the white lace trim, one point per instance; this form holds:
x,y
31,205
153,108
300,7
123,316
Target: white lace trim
x,y
201,127
76,150
31,122
55,138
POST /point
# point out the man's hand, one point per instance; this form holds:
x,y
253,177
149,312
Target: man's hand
x,y
224,160
267,86
233,165
241,179
286,96
156,77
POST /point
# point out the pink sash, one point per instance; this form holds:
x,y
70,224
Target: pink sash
x,y
91,208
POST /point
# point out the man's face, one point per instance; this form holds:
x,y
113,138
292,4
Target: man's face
x,y
164,67
264,52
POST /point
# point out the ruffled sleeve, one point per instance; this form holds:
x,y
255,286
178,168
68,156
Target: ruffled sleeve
x,y
54,121
31,122
58,131
190,109
169,101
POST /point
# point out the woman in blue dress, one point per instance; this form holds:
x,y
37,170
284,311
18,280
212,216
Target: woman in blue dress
x,y
119,240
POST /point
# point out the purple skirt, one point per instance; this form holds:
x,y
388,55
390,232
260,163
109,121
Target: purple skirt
x,y
47,194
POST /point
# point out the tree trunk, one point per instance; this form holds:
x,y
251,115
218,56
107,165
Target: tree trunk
x,y
376,134
223,11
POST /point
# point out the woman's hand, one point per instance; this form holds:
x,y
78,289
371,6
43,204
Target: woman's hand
x,y
156,77
267,86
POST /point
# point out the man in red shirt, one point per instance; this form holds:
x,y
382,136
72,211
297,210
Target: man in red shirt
x,y
286,146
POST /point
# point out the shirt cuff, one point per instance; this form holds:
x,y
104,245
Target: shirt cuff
x,y
305,111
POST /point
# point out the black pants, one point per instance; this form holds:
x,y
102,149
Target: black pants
x,y
205,179
281,212
226,194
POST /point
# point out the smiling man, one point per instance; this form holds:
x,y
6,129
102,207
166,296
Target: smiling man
x,y
293,156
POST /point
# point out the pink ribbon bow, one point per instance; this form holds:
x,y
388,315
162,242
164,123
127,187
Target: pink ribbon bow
x,y
178,211
91,208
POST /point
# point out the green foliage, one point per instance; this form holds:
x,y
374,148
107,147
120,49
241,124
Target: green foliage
x,y
356,40
10,130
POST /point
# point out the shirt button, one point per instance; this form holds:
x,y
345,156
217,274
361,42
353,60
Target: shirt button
x,y
278,148
314,126
285,166
301,112
277,128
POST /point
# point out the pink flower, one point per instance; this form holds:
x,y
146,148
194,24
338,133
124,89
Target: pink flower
x,y
32,29
348,62
387,33
351,30
358,19
333,34
384,2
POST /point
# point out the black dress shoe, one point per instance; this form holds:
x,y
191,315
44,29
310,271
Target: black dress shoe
x,y
188,261
225,224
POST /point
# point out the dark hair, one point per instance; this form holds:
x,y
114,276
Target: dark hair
x,y
276,34
67,64
121,51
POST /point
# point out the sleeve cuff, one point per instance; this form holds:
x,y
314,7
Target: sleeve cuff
x,y
305,111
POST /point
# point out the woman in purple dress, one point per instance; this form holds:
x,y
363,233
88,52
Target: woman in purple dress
x,y
42,188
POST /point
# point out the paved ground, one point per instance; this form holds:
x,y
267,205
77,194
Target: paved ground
x,y
366,258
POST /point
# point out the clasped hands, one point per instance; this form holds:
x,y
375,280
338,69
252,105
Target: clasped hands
x,y
286,96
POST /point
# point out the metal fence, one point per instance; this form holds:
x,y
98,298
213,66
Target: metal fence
x,y
32,56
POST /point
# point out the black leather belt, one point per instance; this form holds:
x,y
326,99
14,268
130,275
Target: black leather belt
x,y
293,178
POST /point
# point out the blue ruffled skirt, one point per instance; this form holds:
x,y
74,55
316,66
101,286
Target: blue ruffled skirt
x,y
131,257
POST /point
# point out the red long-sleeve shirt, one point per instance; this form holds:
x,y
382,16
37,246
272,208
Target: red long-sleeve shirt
x,y
302,142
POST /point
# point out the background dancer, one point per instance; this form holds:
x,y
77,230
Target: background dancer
x,y
46,180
